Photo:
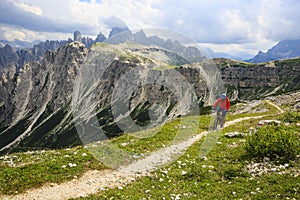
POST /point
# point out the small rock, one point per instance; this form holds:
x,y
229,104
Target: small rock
x,y
268,122
266,159
204,158
120,187
234,134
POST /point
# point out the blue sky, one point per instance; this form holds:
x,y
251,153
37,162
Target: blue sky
x,y
236,26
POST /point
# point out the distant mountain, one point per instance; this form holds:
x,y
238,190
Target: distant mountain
x,y
213,54
13,55
8,61
283,50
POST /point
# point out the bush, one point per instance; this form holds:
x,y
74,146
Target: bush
x,y
291,117
273,142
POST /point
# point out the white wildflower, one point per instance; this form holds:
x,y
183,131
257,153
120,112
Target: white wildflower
x,y
72,164
124,144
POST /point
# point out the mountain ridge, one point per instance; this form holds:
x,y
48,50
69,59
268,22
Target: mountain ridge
x,y
282,50
36,101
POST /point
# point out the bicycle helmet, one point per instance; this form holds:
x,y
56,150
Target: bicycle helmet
x,y
223,96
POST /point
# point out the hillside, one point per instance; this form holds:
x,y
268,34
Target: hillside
x,y
123,88
176,170
49,97
253,81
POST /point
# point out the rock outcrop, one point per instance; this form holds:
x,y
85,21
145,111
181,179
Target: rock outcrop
x,y
77,36
254,81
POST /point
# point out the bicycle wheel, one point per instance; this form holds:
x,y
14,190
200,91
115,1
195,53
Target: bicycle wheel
x,y
215,126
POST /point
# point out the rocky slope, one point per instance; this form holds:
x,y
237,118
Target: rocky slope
x,y
283,50
14,59
254,81
37,104
78,95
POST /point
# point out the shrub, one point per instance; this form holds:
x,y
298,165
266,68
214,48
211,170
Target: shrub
x,y
273,142
291,117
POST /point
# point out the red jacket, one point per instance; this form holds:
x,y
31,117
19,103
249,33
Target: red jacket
x,y
224,104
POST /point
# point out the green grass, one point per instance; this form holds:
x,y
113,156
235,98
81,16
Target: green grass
x,y
160,68
227,178
21,171
221,176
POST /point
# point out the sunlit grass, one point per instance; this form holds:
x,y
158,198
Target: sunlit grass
x,y
221,176
21,171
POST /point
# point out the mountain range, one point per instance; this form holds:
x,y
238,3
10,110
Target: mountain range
x,y
82,92
282,50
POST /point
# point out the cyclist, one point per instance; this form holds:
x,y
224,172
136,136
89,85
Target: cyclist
x,y
222,104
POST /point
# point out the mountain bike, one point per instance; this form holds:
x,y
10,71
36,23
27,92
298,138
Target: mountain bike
x,y
219,120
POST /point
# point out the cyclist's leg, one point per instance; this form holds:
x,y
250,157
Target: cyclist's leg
x,y
216,121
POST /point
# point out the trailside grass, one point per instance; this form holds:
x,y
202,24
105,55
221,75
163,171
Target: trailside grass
x,y
221,175
22,171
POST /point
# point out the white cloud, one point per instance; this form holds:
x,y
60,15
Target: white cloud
x,y
11,35
29,8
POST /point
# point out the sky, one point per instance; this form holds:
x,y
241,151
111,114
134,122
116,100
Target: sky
x,y
236,27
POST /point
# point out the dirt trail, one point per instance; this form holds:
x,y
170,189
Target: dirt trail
x,y
94,181
277,107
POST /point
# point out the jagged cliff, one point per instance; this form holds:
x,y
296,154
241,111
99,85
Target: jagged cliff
x,y
37,104
253,81
112,88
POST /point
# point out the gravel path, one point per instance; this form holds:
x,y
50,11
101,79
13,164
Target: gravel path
x,y
94,181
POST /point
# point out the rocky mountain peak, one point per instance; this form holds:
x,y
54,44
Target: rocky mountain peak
x,y
100,37
77,36
117,30
8,60
282,50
